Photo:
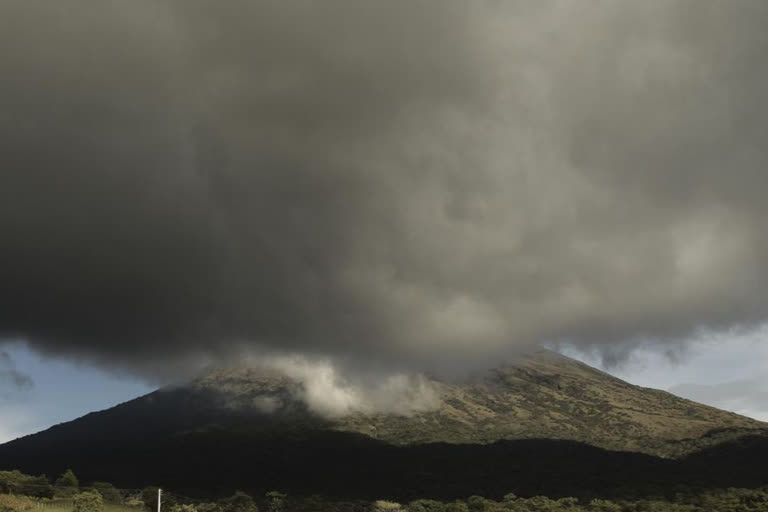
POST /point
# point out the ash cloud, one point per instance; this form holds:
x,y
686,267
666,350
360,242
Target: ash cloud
x,y
431,183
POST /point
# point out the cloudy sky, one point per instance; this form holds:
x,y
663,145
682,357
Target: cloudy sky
x,y
420,185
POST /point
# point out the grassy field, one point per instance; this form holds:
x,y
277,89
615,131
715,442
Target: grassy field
x,y
26,504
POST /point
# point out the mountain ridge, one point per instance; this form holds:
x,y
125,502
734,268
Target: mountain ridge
x,y
546,424
544,395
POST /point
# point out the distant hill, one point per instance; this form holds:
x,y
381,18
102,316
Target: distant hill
x,y
546,424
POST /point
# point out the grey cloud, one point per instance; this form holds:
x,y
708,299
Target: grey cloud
x,y
10,374
432,183
748,396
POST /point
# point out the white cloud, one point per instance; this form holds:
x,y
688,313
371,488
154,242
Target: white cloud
x,y
725,370
329,393
14,422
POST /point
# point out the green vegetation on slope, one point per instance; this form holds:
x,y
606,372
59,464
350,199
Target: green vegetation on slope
x,y
544,396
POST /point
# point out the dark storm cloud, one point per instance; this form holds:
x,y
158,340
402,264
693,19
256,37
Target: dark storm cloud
x,y
414,181
9,374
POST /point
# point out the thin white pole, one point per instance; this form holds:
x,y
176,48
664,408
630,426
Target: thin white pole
x,y
159,494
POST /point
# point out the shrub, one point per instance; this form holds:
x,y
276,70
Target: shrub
x,y
425,506
238,502
208,507
37,486
68,479
149,497
16,503
275,501
386,506
16,482
67,485
134,500
479,504
10,481
597,505
87,502
184,508
108,492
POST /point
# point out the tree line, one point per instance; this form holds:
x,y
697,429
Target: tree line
x,y
94,497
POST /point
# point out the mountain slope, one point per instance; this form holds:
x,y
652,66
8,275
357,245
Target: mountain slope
x,y
541,425
545,395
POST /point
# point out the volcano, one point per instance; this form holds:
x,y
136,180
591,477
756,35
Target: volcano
x,y
544,424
